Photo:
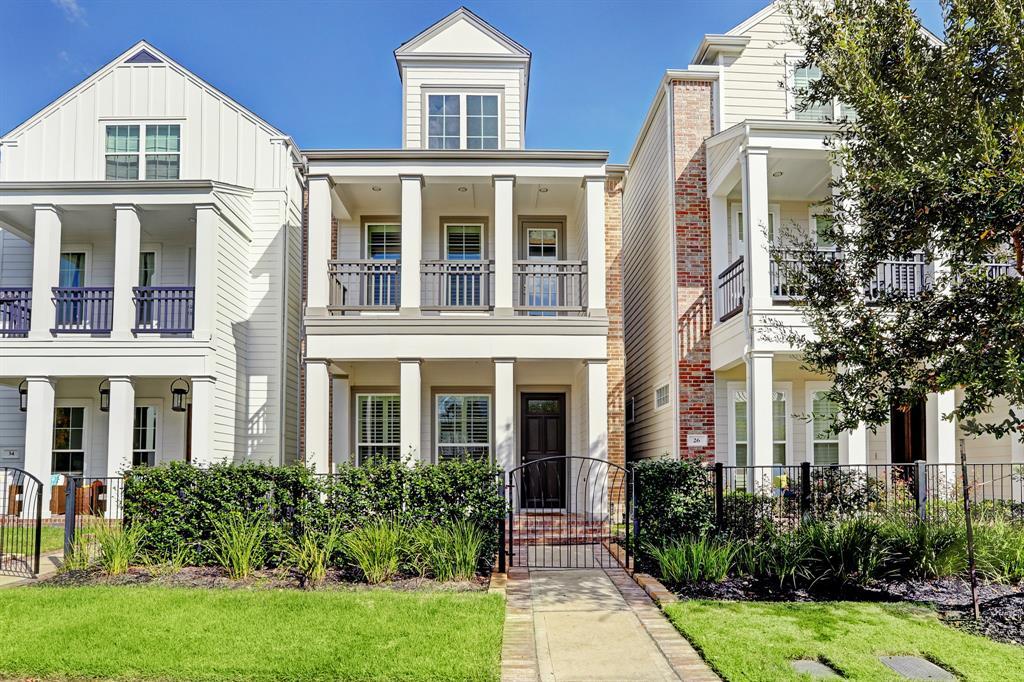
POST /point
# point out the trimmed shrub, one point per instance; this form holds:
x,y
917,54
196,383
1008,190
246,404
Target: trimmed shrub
x,y
673,501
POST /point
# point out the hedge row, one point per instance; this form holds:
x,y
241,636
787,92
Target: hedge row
x,y
176,503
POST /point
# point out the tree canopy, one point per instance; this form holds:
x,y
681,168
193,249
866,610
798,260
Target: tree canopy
x,y
932,163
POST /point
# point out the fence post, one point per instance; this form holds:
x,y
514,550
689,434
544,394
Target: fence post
x,y
39,526
921,485
805,490
719,496
636,516
69,517
501,523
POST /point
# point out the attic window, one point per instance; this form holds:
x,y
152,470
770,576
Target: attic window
x,y
127,158
462,121
143,57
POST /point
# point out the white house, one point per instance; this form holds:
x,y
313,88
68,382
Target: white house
x,y
150,238
721,156
457,299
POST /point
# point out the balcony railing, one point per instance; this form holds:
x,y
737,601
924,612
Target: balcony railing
x,y
457,285
164,310
1002,270
364,285
549,287
15,311
907,276
731,290
83,310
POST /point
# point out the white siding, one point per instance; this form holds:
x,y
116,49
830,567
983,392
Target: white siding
x,y
231,427
753,79
647,283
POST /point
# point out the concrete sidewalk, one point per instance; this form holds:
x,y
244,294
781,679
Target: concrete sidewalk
x,y
591,624
48,565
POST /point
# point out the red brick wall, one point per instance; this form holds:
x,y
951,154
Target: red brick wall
x,y
692,115
613,302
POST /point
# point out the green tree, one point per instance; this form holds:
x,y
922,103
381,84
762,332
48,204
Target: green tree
x,y
932,163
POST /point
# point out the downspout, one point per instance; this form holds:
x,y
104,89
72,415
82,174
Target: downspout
x,y
300,355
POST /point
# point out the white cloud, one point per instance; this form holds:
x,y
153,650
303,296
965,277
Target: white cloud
x,y
73,11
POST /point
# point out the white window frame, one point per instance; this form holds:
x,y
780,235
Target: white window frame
x,y
86,406
461,94
791,62
667,385
739,247
358,416
380,223
157,405
142,123
437,424
734,389
558,244
86,268
455,223
155,249
812,213
812,387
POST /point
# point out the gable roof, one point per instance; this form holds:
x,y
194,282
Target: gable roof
x,y
504,47
142,53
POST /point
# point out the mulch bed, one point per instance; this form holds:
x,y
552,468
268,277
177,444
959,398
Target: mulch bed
x,y
206,577
1002,606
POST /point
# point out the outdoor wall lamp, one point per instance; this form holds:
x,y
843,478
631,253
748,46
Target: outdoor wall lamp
x,y
178,394
23,395
105,396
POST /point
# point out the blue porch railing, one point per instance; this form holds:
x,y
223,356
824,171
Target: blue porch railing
x,y
83,310
164,310
15,311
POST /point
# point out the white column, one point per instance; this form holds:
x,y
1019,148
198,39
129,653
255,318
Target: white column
x,y
504,242
317,434
202,420
857,445
941,433
341,443
1016,444
754,162
127,243
39,433
719,246
760,439
411,400
207,237
45,270
594,188
504,413
120,422
597,433
412,243
318,246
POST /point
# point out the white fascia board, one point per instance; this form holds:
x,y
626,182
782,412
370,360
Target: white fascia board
x,y
389,347
713,45
83,357
390,170
753,20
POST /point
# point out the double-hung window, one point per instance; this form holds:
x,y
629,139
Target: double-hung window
x,y
378,427
463,427
128,157
821,230
462,121
780,430
824,439
68,457
144,436
799,80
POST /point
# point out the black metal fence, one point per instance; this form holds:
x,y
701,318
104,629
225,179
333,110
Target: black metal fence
x,y
749,498
90,506
21,506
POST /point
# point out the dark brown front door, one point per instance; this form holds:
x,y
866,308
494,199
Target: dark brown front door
x,y
543,419
908,434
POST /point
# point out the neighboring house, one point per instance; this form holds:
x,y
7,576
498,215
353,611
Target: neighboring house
x,y
723,169
150,233
462,291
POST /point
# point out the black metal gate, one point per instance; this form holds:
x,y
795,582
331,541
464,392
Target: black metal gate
x,y
569,512
21,522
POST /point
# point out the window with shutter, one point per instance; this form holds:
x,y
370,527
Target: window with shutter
x,y
378,427
463,426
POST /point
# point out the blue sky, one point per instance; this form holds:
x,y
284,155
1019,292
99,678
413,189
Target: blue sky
x,y
324,73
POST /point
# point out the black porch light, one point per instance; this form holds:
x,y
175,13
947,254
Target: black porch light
x,y
178,394
23,395
105,396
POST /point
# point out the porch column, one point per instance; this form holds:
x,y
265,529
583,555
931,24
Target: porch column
x,y
127,242
341,399
39,433
941,433
120,424
857,445
599,489
760,439
504,242
594,189
205,307
504,413
1016,444
318,283
45,271
719,247
754,163
318,400
412,243
202,420
411,402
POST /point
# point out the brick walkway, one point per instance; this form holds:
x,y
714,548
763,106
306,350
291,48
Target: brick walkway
x,y
590,624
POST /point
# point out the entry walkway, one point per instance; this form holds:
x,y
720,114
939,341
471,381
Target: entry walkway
x,y
590,624
48,565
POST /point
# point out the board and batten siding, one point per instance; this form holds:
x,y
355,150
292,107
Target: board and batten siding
x,y
220,140
753,80
441,79
648,269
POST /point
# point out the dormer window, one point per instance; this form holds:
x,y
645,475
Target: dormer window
x,y
159,158
462,121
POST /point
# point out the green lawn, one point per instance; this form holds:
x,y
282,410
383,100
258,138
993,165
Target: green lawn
x,y
755,641
193,634
51,539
